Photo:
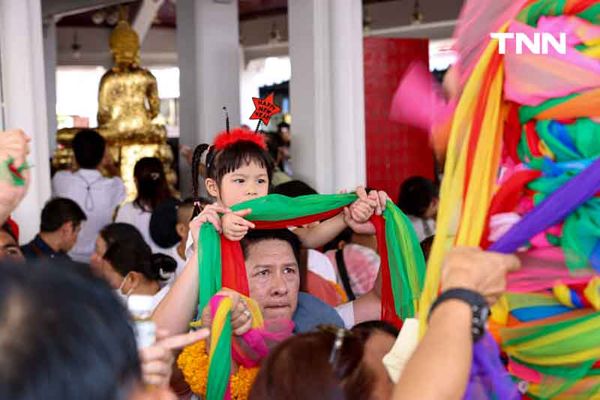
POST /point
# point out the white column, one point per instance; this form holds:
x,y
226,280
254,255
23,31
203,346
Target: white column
x,y
24,95
327,93
208,54
50,56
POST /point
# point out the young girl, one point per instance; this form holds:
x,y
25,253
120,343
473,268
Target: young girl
x,y
239,168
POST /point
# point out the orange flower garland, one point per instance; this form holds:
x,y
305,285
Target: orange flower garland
x,y
193,362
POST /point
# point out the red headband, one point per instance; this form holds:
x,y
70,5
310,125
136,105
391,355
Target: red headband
x,y
226,139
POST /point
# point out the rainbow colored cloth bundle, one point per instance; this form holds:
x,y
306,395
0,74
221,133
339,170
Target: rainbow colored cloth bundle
x,y
522,173
221,265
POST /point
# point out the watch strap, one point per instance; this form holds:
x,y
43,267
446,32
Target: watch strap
x,y
475,300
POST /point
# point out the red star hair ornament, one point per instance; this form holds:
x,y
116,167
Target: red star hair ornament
x,y
264,109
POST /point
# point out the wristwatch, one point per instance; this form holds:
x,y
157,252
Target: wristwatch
x,y
479,307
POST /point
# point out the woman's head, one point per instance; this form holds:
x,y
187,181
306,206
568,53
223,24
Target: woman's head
x,y
326,365
378,338
238,167
151,183
419,197
126,261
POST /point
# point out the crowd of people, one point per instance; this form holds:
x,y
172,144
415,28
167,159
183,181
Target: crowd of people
x,y
266,289
67,332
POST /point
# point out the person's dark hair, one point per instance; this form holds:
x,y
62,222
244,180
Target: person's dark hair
x,y
64,335
416,194
426,245
282,125
151,183
294,188
59,210
258,235
344,236
163,224
367,328
127,251
88,147
311,375
221,162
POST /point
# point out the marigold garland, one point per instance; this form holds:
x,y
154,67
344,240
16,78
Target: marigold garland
x,y
193,362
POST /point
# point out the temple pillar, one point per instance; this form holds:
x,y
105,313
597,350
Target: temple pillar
x,y
327,93
209,68
24,98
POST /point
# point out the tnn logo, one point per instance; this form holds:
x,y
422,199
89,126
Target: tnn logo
x,y
539,44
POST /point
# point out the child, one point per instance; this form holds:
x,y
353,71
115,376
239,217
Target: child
x,y
239,168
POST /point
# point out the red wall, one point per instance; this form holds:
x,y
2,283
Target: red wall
x,y
394,151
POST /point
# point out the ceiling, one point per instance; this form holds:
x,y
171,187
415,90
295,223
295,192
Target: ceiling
x,y
166,16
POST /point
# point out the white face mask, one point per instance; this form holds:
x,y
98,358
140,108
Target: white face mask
x,y
119,293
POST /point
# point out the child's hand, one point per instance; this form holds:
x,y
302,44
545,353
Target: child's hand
x,y
363,208
235,226
380,198
209,214
362,228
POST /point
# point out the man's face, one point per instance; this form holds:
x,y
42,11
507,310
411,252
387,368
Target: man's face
x,y
9,249
273,278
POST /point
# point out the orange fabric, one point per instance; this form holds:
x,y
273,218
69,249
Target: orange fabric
x,y
582,106
323,289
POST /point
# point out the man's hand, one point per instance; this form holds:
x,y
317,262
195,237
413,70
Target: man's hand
x,y
478,270
157,360
235,226
241,318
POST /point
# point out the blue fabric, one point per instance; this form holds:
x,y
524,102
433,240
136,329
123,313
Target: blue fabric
x,y
526,314
37,249
312,312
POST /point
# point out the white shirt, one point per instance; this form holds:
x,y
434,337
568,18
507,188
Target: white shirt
x,y
346,313
159,296
131,214
320,264
97,196
423,227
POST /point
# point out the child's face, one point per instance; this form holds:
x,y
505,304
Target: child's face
x,y
245,183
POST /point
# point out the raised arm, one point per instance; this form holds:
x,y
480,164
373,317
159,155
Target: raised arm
x,y
178,308
14,145
444,355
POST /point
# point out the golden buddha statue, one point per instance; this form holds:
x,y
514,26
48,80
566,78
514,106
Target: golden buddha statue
x,y
128,105
128,96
